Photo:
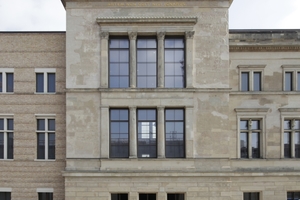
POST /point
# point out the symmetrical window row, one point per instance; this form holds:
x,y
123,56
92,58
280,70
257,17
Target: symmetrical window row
x,y
251,78
147,63
147,133
45,80
145,196
45,138
41,196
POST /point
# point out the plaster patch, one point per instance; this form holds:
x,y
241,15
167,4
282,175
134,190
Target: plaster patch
x,y
217,114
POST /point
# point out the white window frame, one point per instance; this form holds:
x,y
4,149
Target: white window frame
x,y
294,69
251,69
254,114
46,131
288,114
5,117
45,71
4,71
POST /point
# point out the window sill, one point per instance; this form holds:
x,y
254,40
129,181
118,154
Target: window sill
x,y
45,93
1,160
6,93
44,160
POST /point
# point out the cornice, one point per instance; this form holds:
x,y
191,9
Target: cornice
x,y
258,48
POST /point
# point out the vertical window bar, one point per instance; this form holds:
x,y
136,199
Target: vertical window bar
x,y
245,81
9,82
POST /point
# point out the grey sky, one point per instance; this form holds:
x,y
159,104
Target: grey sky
x,y
49,15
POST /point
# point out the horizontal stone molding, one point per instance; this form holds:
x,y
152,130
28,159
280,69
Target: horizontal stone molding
x,y
259,48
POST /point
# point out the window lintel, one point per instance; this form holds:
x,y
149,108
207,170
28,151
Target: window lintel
x,y
251,67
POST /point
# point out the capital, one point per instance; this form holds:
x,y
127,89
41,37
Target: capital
x,y
132,35
161,35
104,35
189,34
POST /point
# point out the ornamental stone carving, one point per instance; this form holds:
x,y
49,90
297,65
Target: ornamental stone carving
x,y
132,35
189,34
161,35
104,35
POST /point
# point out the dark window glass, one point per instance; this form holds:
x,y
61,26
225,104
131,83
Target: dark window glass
x,y
297,144
118,63
5,195
245,81
174,125
51,82
244,145
10,145
1,84
146,63
288,81
255,145
175,197
39,82
147,196
41,145
45,196
287,144
119,133
41,124
287,124
9,82
119,196
51,124
1,145
251,196
147,133
293,196
174,63
298,81
257,81
51,146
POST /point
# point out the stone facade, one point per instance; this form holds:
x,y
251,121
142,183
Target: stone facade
x,y
213,101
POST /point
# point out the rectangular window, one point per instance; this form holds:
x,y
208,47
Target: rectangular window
x,y
174,63
119,133
46,138
45,196
291,78
147,145
288,81
251,195
250,131
7,81
119,196
175,197
291,138
5,195
174,133
293,196
45,80
6,138
245,81
118,63
256,81
251,81
147,196
146,63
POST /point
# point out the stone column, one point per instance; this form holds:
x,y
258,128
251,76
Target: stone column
x,y
161,59
132,38
161,132
104,60
189,132
133,134
104,134
189,58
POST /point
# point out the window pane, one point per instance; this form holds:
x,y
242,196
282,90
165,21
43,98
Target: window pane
x,y
10,124
245,81
287,144
5,196
244,124
1,84
51,146
1,145
45,196
41,124
288,81
297,125
119,196
297,144
244,145
147,196
175,197
51,124
51,82
10,145
41,146
298,81
255,125
257,81
255,145
287,124
9,82
39,82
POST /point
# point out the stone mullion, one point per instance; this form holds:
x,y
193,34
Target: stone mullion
x,y
132,38
133,134
161,133
161,59
189,132
104,135
189,35
104,60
